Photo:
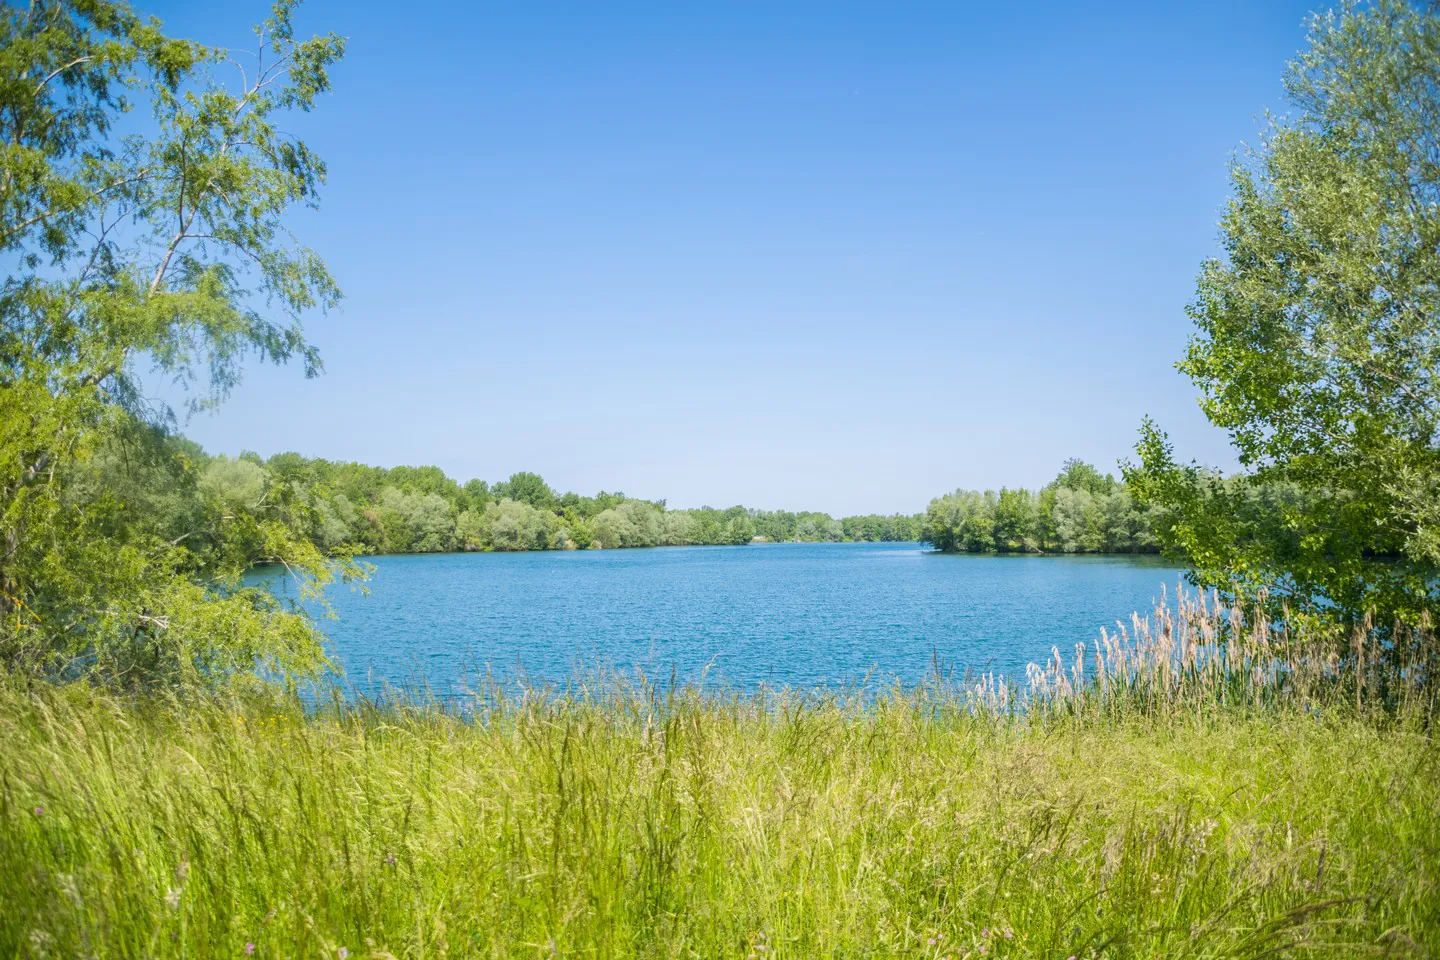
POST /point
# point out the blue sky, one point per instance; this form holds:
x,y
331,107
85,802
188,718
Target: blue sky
x,y
816,256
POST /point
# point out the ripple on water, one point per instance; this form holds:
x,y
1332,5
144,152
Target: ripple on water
x,y
786,614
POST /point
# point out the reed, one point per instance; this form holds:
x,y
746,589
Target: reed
x,y
1204,651
1196,784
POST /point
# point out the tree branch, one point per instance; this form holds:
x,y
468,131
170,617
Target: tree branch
x,y
59,70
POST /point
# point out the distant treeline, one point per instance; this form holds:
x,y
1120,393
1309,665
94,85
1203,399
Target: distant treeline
x,y
344,507
422,510
376,510
1080,511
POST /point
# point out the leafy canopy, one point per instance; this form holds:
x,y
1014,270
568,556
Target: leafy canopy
x,y
165,249
1317,337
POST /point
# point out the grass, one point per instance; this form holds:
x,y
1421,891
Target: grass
x,y
630,821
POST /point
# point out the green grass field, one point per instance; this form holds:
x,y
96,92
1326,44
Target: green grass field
x,y
640,824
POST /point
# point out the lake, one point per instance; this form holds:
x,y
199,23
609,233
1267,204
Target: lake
x,y
800,615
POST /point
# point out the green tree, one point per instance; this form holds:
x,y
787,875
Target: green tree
x,y
962,521
1017,516
337,522
1077,521
512,525
234,483
681,528
475,494
634,523
527,488
1116,515
425,480
1076,474
1317,341
168,248
739,530
417,522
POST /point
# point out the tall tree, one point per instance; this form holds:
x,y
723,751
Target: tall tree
x,y
528,488
164,248
1317,342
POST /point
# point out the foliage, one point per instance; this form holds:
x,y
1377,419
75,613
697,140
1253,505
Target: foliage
x,y
874,528
513,525
421,510
165,247
416,522
1080,511
1317,343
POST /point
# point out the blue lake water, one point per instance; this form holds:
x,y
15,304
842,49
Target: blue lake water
x,y
800,615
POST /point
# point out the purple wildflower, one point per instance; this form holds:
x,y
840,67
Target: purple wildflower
x,y
250,948
39,811
342,953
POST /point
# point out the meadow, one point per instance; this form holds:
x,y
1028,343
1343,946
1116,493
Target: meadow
x,y
731,250
1197,787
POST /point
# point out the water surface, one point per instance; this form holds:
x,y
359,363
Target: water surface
x,y
785,614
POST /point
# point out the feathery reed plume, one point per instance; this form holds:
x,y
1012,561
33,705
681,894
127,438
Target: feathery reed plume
x,y
1203,649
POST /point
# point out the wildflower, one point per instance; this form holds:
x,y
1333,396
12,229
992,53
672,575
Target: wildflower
x,y
389,859
250,948
172,898
984,931
39,811
931,941
342,953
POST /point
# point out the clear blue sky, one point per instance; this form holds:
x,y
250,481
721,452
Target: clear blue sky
x,y
824,256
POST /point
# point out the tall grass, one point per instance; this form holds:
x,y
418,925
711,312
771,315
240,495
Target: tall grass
x,y
1201,651
1175,793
